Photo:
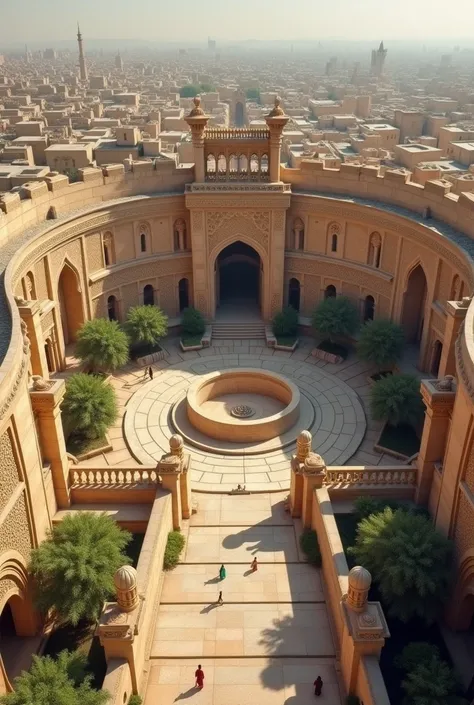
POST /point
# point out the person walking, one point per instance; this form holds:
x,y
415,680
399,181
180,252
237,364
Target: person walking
x,y
222,572
220,601
199,675
150,372
254,565
318,686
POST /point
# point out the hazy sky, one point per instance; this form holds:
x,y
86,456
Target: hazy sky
x,y
41,20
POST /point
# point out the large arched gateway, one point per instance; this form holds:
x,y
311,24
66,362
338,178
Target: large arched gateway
x,y
238,276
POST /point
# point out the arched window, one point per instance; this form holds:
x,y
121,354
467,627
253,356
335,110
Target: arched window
x,y
233,164
436,358
375,248
183,291
108,249
456,287
30,287
264,164
148,295
298,234
294,294
334,242
142,242
330,292
179,231
243,164
333,231
222,164
112,308
48,351
369,308
211,164
254,164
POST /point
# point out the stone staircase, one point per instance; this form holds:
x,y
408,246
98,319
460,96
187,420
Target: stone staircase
x,y
238,330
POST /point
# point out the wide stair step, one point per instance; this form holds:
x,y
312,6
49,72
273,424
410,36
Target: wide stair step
x,y
238,331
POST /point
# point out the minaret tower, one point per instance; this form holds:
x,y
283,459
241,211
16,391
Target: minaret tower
x,y
82,61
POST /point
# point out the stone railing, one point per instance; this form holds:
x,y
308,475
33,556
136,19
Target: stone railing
x,y
244,185
143,475
237,133
404,475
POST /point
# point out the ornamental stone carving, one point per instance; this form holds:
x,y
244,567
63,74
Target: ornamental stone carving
x,y
223,225
359,581
15,530
9,472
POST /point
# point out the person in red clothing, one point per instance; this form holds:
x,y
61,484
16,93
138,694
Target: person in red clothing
x,y
199,677
318,686
254,565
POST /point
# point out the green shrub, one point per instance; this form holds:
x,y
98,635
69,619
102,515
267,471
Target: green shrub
x,y
102,345
335,316
74,567
89,406
410,561
285,323
135,700
310,546
414,653
62,681
397,400
432,682
174,546
381,343
146,325
192,322
367,505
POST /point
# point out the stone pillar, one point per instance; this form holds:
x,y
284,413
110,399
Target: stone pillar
x,y
303,449
46,398
276,121
30,314
171,468
197,121
365,628
456,312
314,472
438,397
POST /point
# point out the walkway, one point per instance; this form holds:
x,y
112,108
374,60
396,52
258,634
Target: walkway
x,y
269,640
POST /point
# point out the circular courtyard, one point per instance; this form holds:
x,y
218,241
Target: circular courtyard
x,y
328,407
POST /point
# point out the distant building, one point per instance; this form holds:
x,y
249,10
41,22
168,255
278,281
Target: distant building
x,y
378,60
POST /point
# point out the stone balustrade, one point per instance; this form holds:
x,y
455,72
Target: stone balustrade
x,y
80,477
365,475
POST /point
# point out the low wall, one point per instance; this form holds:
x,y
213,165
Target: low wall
x,y
334,564
118,681
370,683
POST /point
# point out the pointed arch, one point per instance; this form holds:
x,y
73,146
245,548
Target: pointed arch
x,y
70,301
414,303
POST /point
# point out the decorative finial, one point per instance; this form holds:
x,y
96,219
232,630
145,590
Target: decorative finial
x,y
197,111
446,384
360,581
277,110
303,445
125,580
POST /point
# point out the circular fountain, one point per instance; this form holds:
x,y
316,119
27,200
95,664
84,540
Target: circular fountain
x,y
242,405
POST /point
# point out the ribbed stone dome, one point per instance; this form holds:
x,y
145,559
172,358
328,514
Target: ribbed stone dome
x,y
359,578
125,578
305,437
176,441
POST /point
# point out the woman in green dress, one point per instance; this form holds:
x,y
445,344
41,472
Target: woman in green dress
x,y
222,572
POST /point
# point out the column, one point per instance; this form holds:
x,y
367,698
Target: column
x,y
314,472
169,471
438,397
197,121
46,397
276,121
30,313
456,312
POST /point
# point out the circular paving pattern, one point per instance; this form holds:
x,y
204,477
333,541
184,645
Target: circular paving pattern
x,y
337,423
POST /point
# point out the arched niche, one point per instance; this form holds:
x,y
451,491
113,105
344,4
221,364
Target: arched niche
x,y
70,302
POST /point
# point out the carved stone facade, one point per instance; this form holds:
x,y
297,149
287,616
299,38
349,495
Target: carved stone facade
x,y
9,476
15,530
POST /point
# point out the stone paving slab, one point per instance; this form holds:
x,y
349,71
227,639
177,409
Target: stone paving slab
x,y
229,545
242,629
255,681
270,583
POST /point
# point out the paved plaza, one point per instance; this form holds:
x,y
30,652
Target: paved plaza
x,y
270,638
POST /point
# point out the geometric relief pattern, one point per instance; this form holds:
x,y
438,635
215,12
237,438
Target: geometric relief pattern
x,y
5,586
40,278
9,477
168,295
469,473
389,253
464,531
349,274
312,292
94,252
221,225
73,253
15,530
